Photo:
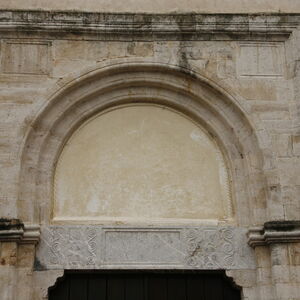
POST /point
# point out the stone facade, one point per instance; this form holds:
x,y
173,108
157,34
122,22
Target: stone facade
x,y
235,75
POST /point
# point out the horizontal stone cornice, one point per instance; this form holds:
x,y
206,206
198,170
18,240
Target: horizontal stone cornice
x,y
127,26
12,230
274,232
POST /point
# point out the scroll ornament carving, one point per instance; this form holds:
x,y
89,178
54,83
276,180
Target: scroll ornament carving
x,y
91,247
54,249
210,248
72,245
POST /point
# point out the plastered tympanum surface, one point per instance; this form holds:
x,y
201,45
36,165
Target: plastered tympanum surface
x,y
142,162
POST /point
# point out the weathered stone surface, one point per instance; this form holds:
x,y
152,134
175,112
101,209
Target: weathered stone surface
x,y
219,6
89,247
235,75
25,57
151,27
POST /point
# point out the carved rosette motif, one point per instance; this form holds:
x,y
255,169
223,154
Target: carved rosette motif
x,y
210,248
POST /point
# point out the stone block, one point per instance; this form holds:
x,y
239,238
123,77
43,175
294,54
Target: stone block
x,y
167,52
266,292
281,274
289,171
245,278
279,254
296,144
24,283
249,293
261,59
291,203
26,57
287,291
141,49
257,89
264,276
7,282
295,274
262,254
283,144
226,64
26,255
270,110
294,254
8,253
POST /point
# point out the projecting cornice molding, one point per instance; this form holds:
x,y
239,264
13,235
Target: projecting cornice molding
x,y
274,232
128,26
12,230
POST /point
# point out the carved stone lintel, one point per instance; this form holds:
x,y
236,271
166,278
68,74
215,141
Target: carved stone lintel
x,y
102,247
274,232
13,230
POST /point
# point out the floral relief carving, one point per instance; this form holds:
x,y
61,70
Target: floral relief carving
x,y
55,245
210,248
90,247
73,246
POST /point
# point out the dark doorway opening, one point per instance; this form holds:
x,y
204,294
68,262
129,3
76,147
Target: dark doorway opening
x,y
145,285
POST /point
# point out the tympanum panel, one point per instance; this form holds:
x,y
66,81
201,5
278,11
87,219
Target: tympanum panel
x,y
141,163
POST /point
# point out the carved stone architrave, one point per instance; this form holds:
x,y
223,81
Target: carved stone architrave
x,y
100,247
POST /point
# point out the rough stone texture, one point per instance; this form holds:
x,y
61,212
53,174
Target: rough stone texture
x,y
235,75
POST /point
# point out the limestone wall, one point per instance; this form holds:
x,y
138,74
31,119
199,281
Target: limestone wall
x,y
237,77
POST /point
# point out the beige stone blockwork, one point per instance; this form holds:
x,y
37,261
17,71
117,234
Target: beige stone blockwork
x,y
7,283
27,83
258,89
289,171
294,254
26,254
283,144
9,253
70,55
289,194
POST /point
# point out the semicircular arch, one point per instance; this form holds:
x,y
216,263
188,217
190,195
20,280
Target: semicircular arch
x,y
134,82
